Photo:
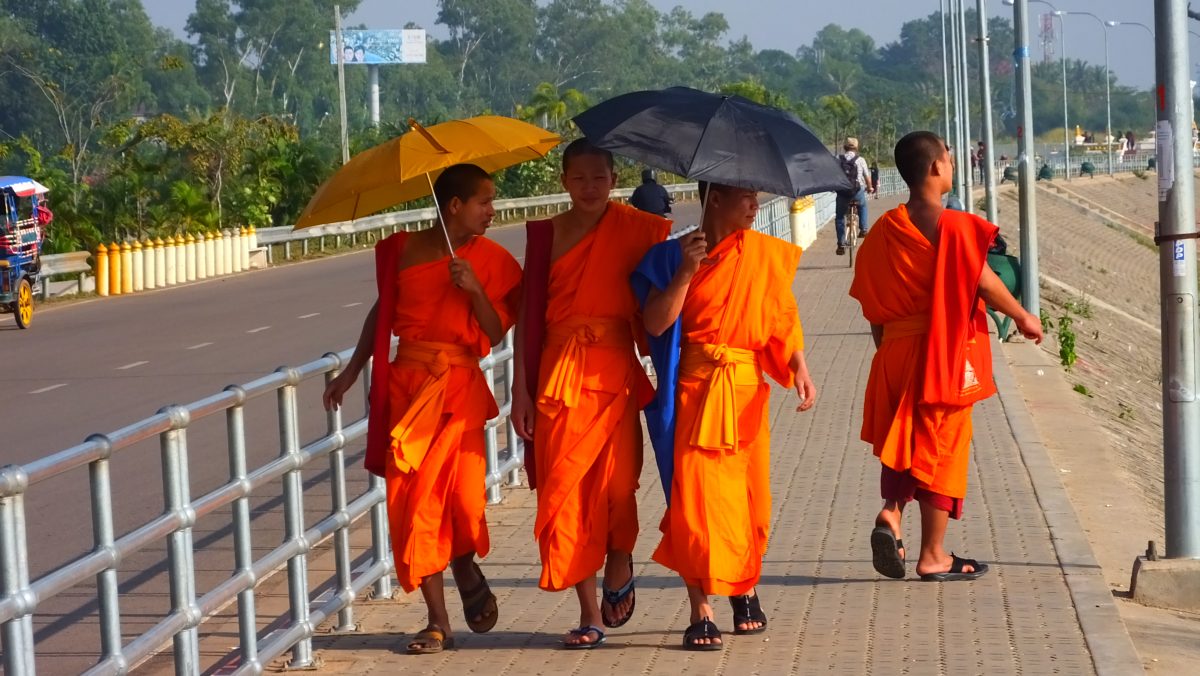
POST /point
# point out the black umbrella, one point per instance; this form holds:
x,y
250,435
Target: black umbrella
x,y
715,138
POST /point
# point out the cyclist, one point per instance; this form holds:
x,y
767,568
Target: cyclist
x,y
855,168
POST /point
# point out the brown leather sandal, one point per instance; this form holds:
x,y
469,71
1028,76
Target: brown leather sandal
x,y
480,603
429,641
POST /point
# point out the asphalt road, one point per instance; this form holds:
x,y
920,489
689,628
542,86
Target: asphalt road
x,y
96,366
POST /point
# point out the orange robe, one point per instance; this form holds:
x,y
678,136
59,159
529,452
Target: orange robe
x,y
934,360
739,321
590,387
438,403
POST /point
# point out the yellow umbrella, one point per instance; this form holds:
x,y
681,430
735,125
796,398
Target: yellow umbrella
x,y
405,167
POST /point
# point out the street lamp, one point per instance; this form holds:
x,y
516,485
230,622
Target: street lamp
x,y
1107,87
1114,24
1062,57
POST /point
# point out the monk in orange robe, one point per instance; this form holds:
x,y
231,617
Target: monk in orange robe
x,y
430,403
922,279
582,411
737,320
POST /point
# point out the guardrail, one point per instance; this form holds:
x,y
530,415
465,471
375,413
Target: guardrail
x,y
279,242
21,597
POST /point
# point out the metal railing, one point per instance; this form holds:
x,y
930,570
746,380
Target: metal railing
x,y
21,597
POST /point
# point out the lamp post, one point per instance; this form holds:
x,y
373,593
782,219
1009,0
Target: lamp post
x,y
986,159
1062,58
1107,87
945,72
1114,24
1030,296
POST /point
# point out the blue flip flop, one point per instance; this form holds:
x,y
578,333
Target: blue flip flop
x,y
614,598
584,631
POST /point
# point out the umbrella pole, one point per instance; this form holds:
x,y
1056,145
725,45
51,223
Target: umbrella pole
x,y
438,208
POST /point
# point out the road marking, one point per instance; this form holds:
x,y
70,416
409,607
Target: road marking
x,y
309,315
132,366
261,328
47,389
199,345
352,304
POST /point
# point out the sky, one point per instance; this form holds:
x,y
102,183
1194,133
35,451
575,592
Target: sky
x,y
788,24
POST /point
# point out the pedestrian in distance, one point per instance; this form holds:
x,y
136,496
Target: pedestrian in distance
x,y
650,196
855,169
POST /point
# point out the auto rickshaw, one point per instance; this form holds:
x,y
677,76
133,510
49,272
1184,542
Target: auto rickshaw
x,y
26,215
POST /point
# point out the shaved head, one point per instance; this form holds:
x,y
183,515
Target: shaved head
x,y
915,155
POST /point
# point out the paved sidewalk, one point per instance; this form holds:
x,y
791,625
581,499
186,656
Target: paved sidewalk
x,y
1043,609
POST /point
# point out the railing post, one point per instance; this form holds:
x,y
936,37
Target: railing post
x,y
379,522
103,534
492,452
341,537
16,636
293,515
515,448
243,553
182,571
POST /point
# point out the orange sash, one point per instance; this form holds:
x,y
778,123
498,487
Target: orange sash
x,y
414,432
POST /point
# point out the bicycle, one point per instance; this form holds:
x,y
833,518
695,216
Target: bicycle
x,y
851,231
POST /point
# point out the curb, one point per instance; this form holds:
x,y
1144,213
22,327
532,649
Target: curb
x,y
1113,653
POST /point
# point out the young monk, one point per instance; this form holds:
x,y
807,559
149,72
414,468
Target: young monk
x,y
922,279
721,306
580,409
429,404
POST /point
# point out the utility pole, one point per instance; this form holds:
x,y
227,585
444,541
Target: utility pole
x,y
956,80
986,162
968,196
341,67
1030,292
1176,237
945,73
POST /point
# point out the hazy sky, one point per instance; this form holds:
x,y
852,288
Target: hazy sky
x,y
788,24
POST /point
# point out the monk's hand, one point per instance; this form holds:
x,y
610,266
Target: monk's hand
x,y
806,389
463,276
1030,327
695,250
336,389
522,413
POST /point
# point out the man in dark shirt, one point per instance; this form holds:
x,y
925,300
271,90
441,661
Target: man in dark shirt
x,y
650,196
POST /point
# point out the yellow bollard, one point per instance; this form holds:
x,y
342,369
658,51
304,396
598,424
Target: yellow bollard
x,y
235,250
253,238
169,255
180,259
201,272
139,267
190,248
245,248
210,260
114,269
102,270
160,263
126,268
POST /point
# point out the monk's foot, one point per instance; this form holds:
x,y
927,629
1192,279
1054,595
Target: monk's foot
x,y
702,635
586,636
892,519
950,569
430,640
748,615
619,595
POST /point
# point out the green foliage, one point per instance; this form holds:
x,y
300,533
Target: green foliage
x,y
1066,341
1082,389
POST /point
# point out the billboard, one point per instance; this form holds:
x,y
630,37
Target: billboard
x,y
379,47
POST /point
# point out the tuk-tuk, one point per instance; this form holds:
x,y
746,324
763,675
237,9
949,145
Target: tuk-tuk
x,y
26,215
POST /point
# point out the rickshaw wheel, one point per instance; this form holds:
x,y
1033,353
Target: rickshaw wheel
x,y
24,305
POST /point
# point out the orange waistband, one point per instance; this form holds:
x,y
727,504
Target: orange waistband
x,y
588,331
916,325
701,360
437,357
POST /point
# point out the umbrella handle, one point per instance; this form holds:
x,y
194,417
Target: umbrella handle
x,y
438,208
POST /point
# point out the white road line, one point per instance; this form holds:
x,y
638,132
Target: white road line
x,y
197,346
352,304
261,328
132,366
47,389
309,315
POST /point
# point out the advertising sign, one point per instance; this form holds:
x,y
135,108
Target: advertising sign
x,y
379,47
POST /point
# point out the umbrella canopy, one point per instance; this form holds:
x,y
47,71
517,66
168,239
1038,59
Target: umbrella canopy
x,y
715,138
405,167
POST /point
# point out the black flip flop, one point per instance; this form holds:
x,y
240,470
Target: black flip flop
x,y
885,553
747,609
956,571
480,602
614,598
704,629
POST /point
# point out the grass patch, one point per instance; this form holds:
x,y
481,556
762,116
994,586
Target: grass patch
x,y
1082,389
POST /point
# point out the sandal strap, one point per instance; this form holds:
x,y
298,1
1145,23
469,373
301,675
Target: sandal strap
x,y
957,563
432,632
588,629
702,629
